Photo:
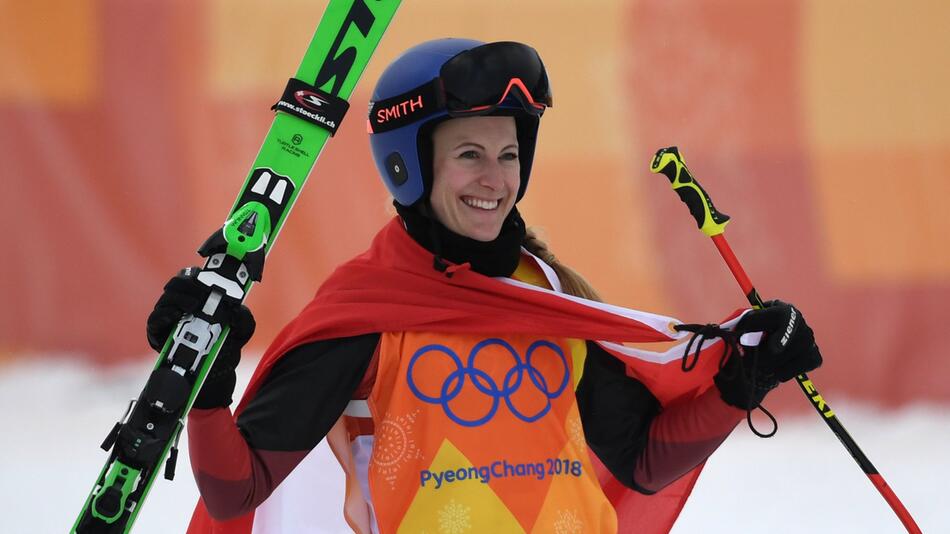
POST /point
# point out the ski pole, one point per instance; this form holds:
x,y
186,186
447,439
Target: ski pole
x,y
711,222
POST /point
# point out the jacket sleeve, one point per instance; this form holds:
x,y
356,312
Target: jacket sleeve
x,y
645,446
237,464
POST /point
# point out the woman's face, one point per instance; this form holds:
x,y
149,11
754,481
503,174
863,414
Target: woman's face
x,y
476,174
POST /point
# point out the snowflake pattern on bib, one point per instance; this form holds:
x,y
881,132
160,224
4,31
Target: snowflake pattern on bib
x,y
567,522
575,431
454,518
395,445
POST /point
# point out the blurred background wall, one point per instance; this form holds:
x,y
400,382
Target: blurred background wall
x,y
821,126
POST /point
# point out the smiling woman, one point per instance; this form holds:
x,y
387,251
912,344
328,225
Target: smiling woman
x,y
476,174
404,356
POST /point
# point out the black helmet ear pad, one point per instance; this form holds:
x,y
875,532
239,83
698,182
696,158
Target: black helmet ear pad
x,y
527,126
425,147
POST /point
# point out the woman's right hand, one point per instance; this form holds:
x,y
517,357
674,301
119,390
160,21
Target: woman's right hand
x,y
185,295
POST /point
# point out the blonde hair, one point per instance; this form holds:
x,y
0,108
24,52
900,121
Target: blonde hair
x,y
572,282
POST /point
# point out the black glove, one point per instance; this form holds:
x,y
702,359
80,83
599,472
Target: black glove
x,y
787,349
183,295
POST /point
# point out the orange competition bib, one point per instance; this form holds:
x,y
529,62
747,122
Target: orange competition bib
x,y
481,434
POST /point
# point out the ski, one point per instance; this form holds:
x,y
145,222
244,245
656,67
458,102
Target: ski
x,y
308,114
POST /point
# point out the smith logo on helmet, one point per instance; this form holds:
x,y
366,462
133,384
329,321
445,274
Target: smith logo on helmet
x,y
403,108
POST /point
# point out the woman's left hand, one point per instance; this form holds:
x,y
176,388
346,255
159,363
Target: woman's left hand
x,y
788,345
787,349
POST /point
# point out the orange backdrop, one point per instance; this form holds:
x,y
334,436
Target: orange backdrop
x,y
126,129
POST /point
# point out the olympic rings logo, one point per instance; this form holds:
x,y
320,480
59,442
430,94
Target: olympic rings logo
x,y
484,383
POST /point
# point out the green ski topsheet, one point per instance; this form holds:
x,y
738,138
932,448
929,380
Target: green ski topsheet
x,y
342,45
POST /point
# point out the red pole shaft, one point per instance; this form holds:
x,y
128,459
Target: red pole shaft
x,y
818,402
737,271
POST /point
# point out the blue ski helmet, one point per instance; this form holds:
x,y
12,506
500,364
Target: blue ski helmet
x,y
447,78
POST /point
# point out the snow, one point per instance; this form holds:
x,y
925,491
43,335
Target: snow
x,y
56,412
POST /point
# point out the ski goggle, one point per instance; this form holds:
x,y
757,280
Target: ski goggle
x,y
478,81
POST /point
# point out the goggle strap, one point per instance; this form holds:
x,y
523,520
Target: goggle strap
x,y
406,108
429,98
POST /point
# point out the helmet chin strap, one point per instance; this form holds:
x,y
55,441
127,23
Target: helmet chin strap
x,y
439,264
